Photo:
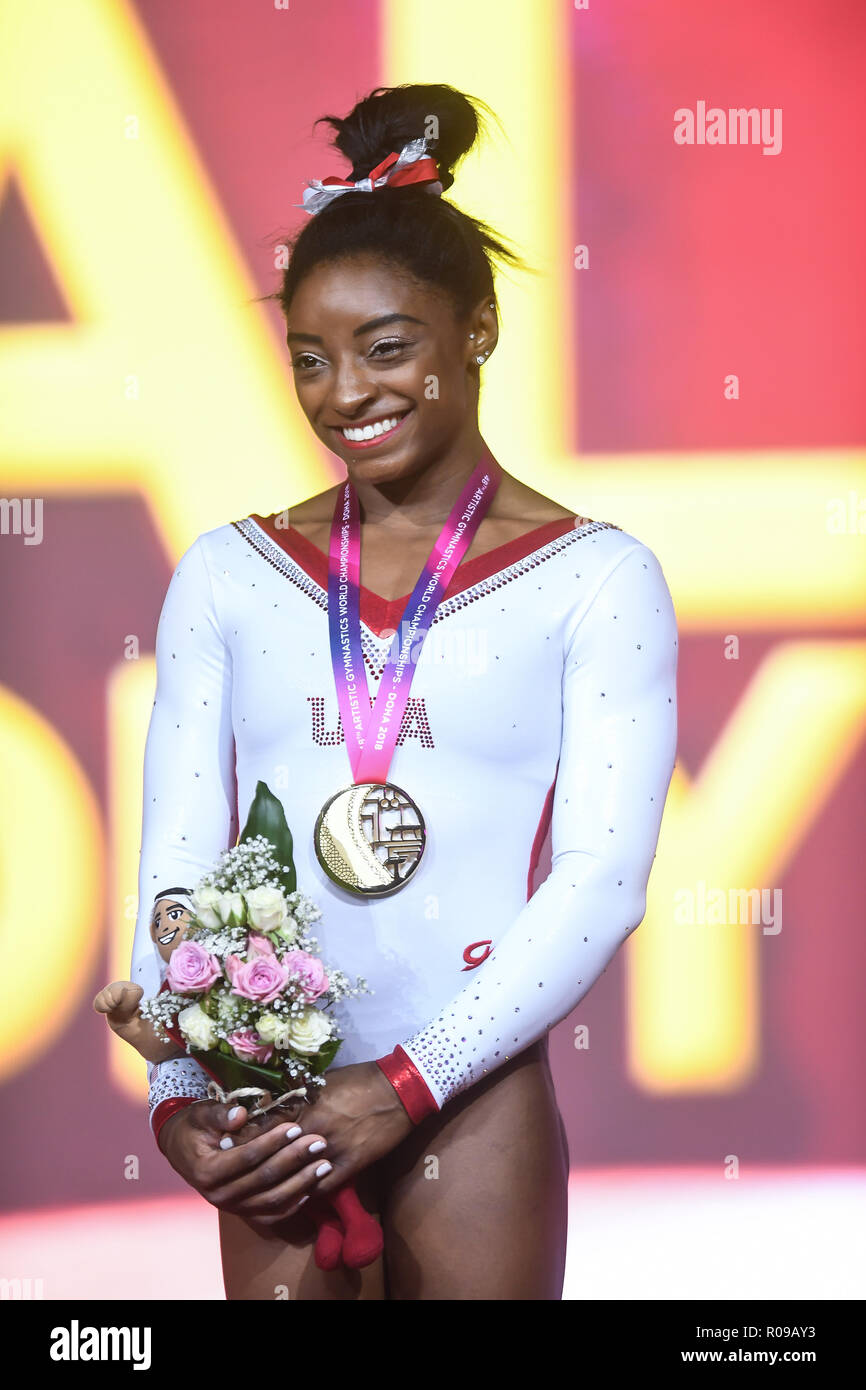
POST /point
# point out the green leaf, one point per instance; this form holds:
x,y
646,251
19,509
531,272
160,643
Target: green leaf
x,y
267,817
231,1072
324,1057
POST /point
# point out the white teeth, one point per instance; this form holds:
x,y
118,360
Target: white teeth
x,y
371,431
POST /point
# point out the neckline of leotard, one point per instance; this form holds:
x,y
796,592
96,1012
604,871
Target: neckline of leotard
x,y
379,613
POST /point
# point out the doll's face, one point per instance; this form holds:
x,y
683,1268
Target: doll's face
x,y
168,925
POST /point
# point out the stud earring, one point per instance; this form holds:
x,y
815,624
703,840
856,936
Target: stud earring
x,y
472,337
480,358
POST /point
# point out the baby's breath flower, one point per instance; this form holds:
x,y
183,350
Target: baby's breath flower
x,y
241,869
161,1010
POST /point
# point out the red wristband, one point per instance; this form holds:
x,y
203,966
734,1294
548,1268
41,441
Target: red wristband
x,y
165,1110
418,1100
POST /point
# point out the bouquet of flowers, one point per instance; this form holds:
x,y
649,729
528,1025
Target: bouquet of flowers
x,y
245,989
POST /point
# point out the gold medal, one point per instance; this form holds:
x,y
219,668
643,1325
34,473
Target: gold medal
x,y
369,838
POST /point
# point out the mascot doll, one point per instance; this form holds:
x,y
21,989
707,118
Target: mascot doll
x,y
346,1231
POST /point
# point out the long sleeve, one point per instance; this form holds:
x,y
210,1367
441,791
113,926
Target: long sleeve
x,y
189,800
616,760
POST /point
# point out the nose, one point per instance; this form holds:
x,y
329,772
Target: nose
x,y
350,388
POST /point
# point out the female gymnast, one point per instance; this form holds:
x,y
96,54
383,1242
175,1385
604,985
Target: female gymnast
x,y
535,689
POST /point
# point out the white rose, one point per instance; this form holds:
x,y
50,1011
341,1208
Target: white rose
x,y
274,1029
230,909
308,1031
205,906
197,1028
288,930
266,907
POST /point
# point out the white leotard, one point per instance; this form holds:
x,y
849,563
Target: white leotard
x,y
559,667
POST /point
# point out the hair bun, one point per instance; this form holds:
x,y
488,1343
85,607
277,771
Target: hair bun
x,y
432,239
390,117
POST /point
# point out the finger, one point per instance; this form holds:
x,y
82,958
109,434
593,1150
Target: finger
x,y
340,1174
281,1201
238,1136
258,1124
263,1164
235,1119
106,1000
119,1000
218,1119
126,1006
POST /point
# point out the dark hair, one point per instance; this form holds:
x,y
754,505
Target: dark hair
x,y
406,226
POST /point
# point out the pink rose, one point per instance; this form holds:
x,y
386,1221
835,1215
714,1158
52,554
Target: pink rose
x,y
313,981
258,945
262,978
248,1046
192,969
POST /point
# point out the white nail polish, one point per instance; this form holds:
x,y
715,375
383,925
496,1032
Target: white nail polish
x,y
322,1169
227,1142
234,1112
318,1146
303,1199
293,1133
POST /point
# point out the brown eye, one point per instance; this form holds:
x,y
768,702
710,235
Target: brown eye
x,y
389,347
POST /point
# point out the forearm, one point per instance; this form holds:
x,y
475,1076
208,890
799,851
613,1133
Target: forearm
x,y
173,1086
616,759
549,960
188,804
415,1094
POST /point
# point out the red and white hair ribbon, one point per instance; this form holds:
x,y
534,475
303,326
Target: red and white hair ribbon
x,y
411,165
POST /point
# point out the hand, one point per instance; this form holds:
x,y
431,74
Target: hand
x,y
119,1002
362,1118
262,1178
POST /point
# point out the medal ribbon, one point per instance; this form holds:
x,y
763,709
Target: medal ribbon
x,y
371,734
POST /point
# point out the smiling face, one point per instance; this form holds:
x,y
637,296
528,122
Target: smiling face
x,y
383,366
168,925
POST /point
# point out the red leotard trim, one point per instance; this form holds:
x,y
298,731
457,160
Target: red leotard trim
x,y
540,835
418,1100
382,614
165,1110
